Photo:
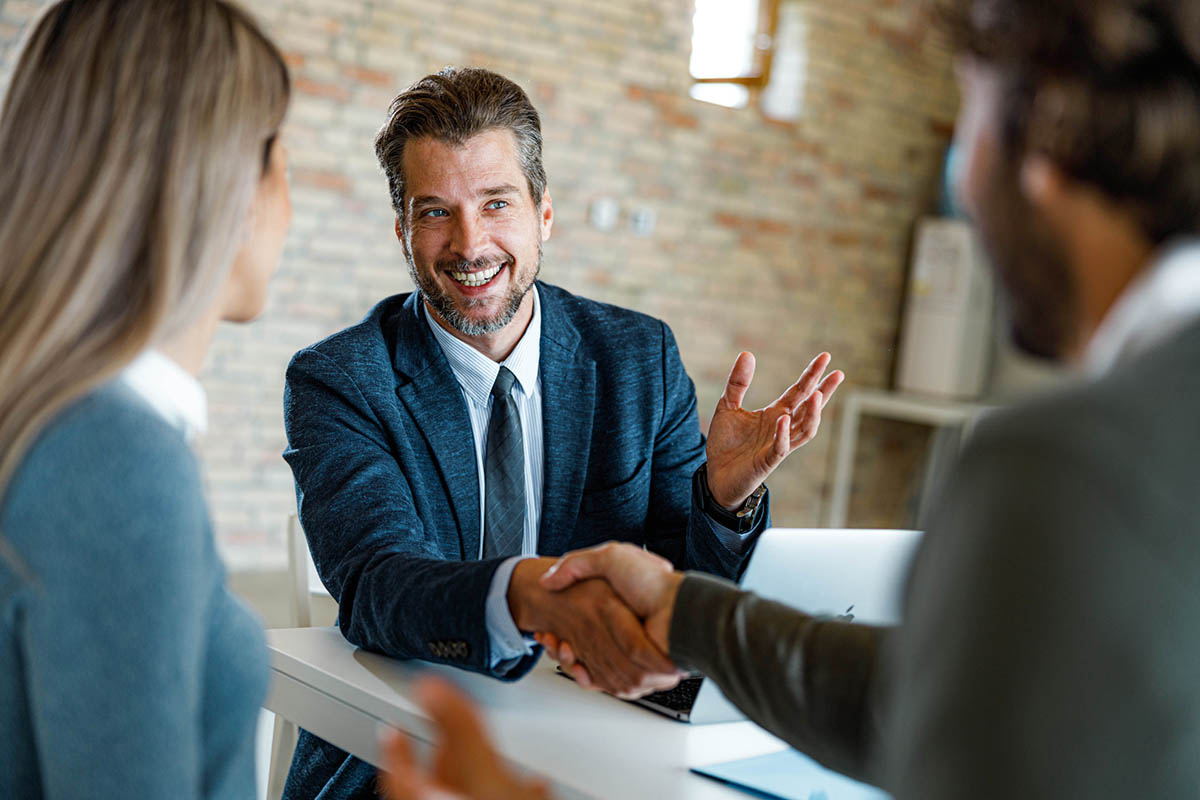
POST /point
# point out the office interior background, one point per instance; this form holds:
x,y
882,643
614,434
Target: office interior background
x,y
779,219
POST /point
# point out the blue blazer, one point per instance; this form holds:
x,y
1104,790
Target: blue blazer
x,y
380,445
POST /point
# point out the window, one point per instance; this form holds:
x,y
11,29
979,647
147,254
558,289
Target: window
x,y
732,49
751,52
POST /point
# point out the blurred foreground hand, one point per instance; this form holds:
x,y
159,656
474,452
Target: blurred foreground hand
x,y
465,765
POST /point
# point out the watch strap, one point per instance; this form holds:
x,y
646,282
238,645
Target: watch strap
x,y
741,520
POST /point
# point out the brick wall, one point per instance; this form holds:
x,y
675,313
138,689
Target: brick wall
x,y
783,239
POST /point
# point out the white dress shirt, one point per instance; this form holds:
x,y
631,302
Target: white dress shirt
x,y
476,373
170,390
1159,303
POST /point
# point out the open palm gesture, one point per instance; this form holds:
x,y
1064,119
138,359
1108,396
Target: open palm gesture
x,y
744,447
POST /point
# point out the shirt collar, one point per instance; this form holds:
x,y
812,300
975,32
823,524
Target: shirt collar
x,y
476,372
1156,305
170,390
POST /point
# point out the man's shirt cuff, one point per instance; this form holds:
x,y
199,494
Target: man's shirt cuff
x,y
733,541
507,645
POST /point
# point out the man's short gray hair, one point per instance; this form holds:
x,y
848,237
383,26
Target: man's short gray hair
x,y
452,106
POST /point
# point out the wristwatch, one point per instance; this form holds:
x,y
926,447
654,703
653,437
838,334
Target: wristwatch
x,y
741,520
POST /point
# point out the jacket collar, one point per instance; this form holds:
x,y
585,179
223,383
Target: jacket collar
x,y
428,389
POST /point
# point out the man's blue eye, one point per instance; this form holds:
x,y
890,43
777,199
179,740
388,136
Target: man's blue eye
x,y
497,204
433,211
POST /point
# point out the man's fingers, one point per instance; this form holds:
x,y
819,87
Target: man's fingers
x,y
608,665
739,380
782,443
581,675
560,651
828,386
804,385
654,683
549,643
613,654
808,421
631,638
572,568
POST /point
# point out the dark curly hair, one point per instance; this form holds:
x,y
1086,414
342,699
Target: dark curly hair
x,y
1107,89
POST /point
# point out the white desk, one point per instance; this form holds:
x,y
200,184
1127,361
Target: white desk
x,y
587,745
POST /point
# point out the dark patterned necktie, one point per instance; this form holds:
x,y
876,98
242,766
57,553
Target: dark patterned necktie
x,y
503,474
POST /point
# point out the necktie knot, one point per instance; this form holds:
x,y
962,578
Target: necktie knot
x,y
504,383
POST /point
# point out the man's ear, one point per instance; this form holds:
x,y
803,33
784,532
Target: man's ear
x,y
546,215
1044,185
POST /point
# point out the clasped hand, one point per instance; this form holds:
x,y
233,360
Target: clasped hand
x,y
628,587
465,764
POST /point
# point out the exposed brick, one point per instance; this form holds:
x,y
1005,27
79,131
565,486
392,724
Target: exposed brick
x,y
845,239
783,238
372,77
752,224
331,91
679,120
875,192
322,179
843,100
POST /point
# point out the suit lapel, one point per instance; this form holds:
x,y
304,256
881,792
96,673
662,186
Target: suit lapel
x,y
430,392
568,402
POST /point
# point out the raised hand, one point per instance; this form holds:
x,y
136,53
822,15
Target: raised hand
x,y
744,447
465,765
646,582
605,634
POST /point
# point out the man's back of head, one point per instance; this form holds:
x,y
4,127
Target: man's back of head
x,y
1081,122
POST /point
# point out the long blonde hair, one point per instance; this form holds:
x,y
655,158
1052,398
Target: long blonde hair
x,y
134,134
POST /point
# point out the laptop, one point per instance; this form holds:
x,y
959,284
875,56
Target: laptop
x,y
854,574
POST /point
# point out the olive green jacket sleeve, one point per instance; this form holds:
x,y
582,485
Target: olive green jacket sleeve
x,y
811,681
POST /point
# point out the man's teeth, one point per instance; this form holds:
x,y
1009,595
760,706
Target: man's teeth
x,y
476,278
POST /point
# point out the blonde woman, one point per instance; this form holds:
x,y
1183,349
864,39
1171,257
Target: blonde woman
x,y
145,198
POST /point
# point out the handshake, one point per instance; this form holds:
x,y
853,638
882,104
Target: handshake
x,y
611,608
604,614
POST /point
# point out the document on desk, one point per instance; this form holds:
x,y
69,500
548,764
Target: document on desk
x,y
789,775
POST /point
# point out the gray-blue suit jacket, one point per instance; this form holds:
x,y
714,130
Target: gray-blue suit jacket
x,y
381,449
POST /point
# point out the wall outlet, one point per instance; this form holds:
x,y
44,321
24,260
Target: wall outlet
x,y
642,220
604,213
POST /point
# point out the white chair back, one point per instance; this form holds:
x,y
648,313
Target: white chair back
x,y
304,591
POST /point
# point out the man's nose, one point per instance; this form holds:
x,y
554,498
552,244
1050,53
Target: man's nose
x,y
469,240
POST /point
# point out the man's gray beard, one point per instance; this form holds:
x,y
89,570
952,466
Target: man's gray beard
x,y
449,312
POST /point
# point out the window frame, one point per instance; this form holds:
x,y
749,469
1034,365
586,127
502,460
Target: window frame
x,y
760,69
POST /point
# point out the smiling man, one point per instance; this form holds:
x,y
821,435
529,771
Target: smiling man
x,y
1052,617
448,447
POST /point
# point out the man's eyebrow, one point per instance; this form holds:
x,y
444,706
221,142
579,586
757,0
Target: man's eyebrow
x,y
491,191
428,200
505,188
